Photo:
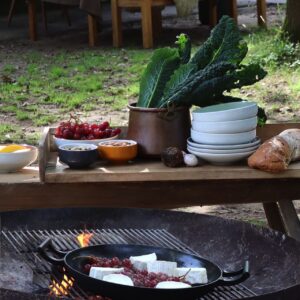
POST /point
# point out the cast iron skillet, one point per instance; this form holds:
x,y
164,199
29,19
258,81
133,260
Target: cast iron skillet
x,y
74,262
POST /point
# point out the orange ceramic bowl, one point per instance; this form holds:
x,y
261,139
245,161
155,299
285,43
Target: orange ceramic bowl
x,y
118,151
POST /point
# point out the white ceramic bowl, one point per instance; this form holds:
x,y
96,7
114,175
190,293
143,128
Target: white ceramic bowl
x,y
15,161
255,142
222,151
226,126
226,112
223,138
61,142
222,159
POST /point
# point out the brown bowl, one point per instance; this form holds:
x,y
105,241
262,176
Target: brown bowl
x,y
118,151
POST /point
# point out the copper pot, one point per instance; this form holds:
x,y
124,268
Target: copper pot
x,y
158,128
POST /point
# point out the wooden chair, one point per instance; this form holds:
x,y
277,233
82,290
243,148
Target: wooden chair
x,y
151,18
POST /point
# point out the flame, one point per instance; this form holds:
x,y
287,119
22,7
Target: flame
x,y
84,239
62,288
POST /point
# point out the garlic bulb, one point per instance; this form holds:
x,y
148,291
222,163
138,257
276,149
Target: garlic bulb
x,y
190,160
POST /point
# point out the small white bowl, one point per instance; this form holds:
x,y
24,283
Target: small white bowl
x,y
223,138
226,112
61,142
222,159
15,161
226,126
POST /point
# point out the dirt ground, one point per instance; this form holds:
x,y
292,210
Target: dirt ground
x,y
247,18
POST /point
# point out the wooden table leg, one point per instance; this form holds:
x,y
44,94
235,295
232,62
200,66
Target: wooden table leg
x,y
32,19
262,13
116,15
233,9
274,217
146,9
290,219
157,21
213,13
93,32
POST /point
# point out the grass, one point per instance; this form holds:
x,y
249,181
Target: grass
x,y
39,88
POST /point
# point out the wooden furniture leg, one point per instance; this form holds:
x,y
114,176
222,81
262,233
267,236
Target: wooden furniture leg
x,y
11,11
290,219
213,13
146,10
116,14
233,9
274,217
65,12
157,21
44,15
32,19
262,13
93,32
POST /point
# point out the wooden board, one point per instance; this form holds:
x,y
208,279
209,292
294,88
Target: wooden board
x,y
26,175
52,171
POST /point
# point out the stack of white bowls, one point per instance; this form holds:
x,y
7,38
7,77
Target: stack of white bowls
x,y
224,133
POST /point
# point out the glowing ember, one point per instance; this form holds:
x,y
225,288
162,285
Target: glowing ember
x,y
84,239
62,288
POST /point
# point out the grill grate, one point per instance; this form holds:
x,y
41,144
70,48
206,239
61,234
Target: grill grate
x,y
26,242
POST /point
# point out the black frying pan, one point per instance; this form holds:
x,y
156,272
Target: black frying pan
x,y
74,262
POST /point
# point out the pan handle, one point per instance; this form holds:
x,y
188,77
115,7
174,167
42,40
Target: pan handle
x,y
232,278
48,245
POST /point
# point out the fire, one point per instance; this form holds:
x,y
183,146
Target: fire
x,y
84,239
62,288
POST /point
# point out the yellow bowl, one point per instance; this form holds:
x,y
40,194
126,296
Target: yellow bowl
x,y
118,151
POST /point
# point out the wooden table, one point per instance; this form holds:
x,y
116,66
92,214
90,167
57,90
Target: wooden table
x,y
91,20
151,185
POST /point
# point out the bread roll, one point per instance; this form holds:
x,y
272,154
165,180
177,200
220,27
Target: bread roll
x,y
275,154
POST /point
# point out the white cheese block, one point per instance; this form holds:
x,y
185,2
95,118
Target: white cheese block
x,y
140,262
160,266
172,285
99,273
119,279
193,275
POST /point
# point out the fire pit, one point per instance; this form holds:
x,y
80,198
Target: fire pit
x,y
274,258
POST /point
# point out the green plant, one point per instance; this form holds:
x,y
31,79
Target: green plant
x,y
174,78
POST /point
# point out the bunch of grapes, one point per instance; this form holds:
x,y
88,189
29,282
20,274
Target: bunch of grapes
x,y
76,130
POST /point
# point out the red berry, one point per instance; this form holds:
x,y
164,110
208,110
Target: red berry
x,y
77,136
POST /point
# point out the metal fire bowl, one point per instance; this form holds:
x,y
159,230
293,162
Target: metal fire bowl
x,y
274,257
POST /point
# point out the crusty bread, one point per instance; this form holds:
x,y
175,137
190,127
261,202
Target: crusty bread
x,y
275,154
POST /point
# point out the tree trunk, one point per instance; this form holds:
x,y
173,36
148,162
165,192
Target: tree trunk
x,y
292,21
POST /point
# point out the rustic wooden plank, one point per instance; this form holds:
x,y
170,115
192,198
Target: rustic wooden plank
x,y
27,175
44,151
163,195
290,218
274,217
155,171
